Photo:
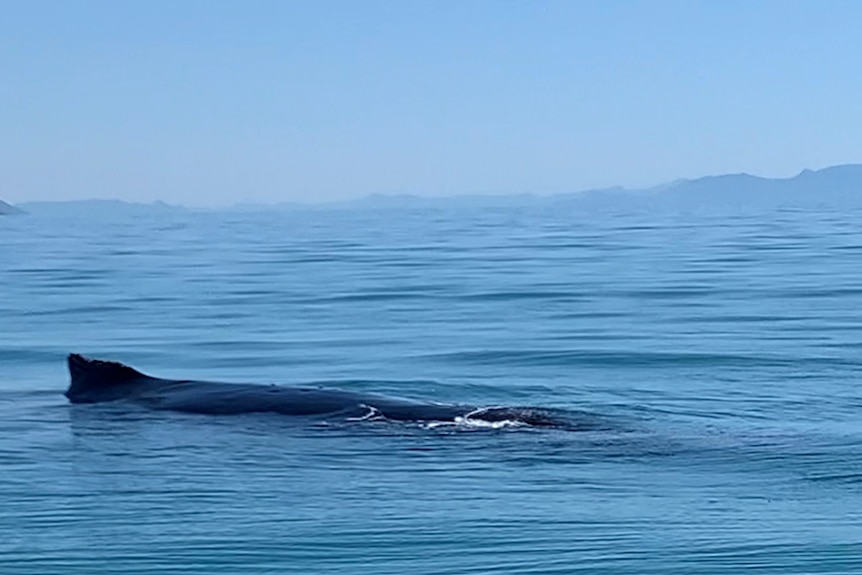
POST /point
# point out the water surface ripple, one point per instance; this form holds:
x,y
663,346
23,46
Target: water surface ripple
x,y
721,351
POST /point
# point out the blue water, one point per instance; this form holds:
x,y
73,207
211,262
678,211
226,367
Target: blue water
x,y
722,350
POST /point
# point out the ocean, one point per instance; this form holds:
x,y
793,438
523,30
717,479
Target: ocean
x,y
719,349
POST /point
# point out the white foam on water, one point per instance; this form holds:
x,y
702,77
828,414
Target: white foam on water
x,y
373,413
472,420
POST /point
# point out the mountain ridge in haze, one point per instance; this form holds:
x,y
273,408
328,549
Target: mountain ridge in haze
x,y
838,185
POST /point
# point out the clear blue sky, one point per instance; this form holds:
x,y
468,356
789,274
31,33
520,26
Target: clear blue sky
x,y
204,102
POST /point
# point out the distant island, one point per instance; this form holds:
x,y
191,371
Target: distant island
x,y
8,209
839,186
97,207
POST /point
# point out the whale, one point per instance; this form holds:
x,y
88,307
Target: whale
x,y
101,381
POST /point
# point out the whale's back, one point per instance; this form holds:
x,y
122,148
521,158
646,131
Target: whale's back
x,y
94,380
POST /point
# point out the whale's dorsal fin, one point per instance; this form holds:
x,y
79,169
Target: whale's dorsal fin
x,y
90,374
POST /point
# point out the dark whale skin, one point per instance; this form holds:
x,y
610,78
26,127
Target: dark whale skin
x,y
98,381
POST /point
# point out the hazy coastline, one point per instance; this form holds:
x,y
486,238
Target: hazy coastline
x,y
835,185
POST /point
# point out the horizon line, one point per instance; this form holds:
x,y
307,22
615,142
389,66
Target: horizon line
x,y
408,195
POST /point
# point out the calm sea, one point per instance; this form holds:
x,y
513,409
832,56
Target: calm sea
x,y
722,350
